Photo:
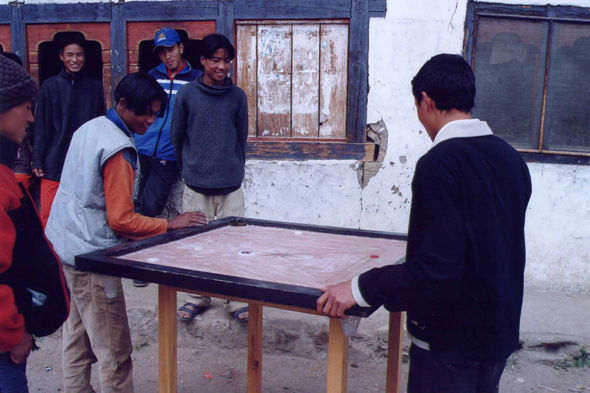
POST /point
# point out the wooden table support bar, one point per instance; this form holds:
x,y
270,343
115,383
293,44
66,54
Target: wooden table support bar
x,y
254,348
394,352
337,358
167,339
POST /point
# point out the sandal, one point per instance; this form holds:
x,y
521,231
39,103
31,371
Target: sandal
x,y
192,312
236,314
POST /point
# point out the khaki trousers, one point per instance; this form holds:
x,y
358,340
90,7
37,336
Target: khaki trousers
x,y
97,330
215,207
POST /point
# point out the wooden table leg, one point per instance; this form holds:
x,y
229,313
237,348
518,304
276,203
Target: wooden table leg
x,y
337,358
254,348
394,354
167,339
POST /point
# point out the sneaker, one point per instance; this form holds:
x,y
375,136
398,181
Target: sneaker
x,y
139,284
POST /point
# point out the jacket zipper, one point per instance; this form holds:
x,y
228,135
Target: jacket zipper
x,y
165,118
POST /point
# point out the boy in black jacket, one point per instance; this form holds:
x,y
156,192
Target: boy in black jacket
x,y
66,101
209,130
462,284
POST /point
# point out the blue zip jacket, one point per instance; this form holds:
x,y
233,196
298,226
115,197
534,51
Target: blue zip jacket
x,y
156,141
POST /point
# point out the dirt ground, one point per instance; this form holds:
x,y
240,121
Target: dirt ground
x,y
295,352
283,373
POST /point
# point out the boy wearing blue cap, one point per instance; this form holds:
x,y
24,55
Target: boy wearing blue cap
x,y
158,168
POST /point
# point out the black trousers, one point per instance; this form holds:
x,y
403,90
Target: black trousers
x,y
443,373
155,182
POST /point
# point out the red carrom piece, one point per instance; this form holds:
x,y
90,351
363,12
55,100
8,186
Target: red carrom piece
x,y
374,256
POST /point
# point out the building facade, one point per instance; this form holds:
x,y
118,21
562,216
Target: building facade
x,y
334,136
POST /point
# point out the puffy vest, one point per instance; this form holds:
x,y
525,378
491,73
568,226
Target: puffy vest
x,y
78,221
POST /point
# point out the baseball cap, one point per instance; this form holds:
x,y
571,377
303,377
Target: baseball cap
x,y
166,37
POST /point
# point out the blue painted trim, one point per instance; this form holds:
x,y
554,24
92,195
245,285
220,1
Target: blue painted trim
x,y
292,9
225,19
5,14
170,10
68,13
17,31
358,75
118,46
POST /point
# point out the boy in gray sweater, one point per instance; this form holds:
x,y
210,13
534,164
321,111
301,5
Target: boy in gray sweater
x,y
209,131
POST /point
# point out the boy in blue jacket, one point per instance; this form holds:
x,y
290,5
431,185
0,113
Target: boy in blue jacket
x,y
156,154
158,168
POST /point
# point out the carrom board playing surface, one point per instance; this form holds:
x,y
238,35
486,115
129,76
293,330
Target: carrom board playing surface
x,y
279,255
255,260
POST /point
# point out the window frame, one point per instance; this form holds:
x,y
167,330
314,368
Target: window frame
x,y
548,13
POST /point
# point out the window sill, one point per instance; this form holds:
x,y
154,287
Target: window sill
x,y
312,150
555,158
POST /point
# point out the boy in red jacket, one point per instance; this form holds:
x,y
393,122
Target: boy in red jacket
x,y
17,92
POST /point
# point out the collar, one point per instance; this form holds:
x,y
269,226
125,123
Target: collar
x,y
186,68
113,116
69,76
8,151
214,90
182,67
467,128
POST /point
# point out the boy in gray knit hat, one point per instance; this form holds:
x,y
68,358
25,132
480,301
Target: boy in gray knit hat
x,y
16,85
209,131
19,228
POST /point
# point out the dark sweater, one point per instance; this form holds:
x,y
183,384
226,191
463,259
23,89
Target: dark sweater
x,y
462,284
66,101
209,131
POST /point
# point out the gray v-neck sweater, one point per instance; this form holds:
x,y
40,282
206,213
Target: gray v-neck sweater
x,y
208,131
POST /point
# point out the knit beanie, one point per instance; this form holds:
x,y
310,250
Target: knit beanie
x,y
16,85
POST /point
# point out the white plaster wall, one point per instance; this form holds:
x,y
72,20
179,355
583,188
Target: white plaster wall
x,y
558,228
324,192
399,44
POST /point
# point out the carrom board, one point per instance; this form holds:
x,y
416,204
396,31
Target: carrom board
x,y
253,259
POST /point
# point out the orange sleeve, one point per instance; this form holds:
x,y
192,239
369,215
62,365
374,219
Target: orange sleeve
x,y
12,324
118,178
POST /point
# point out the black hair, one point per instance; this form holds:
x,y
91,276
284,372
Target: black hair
x,y
69,38
213,42
139,91
448,80
13,57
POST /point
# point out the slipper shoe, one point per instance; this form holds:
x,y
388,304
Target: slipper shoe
x,y
192,313
237,313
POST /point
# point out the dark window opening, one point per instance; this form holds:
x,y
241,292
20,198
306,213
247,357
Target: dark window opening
x,y
192,53
532,69
50,64
509,70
